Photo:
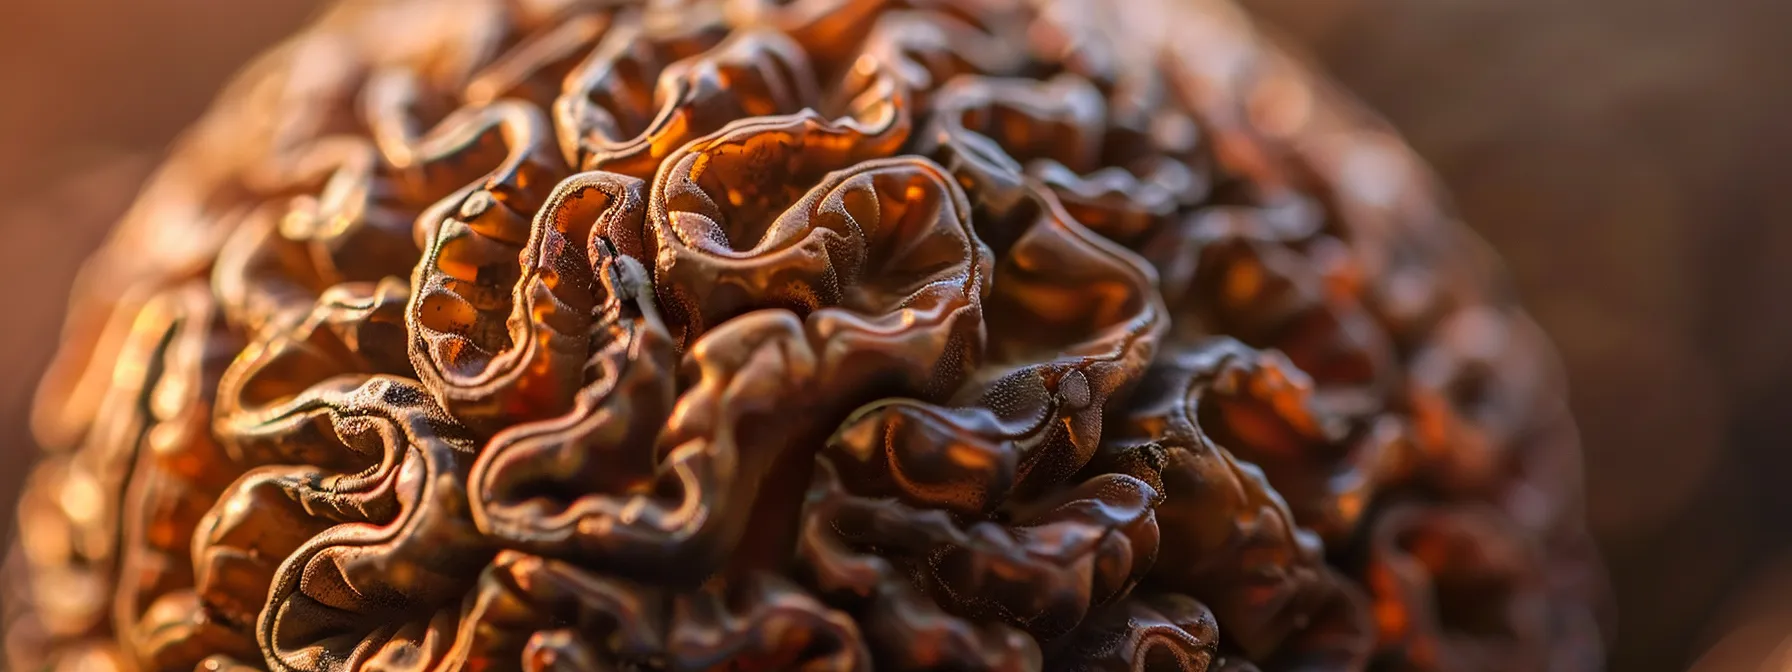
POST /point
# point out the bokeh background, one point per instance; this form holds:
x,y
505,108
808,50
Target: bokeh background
x,y
1629,158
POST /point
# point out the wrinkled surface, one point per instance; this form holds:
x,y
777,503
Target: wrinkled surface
x,y
813,334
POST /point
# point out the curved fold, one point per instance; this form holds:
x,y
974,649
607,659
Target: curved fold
x,y
179,468
75,530
532,613
1166,632
1236,271
1265,411
650,88
734,225
351,328
1122,182
368,553
904,627
1230,540
1042,572
499,327
1072,323
1457,588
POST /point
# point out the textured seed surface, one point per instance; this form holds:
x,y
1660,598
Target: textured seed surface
x,y
796,334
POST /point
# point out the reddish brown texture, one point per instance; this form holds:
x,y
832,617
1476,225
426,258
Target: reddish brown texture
x,y
1496,94
768,335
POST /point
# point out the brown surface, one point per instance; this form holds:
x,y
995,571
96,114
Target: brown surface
x,y
1622,155
1410,418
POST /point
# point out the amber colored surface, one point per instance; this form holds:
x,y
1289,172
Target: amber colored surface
x,y
797,335
1540,95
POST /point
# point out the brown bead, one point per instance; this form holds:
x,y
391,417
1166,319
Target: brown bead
x,y
821,335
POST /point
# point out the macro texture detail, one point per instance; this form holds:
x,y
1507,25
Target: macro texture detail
x,y
796,335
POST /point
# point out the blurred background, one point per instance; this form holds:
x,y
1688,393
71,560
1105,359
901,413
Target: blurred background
x,y
1627,157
